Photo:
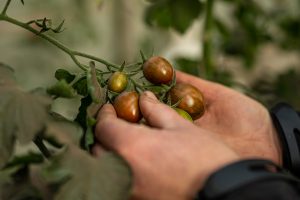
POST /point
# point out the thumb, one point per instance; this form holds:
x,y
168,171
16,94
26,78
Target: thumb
x,y
158,114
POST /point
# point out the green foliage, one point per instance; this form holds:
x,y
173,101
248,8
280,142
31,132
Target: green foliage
x,y
81,86
188,65
69,172
22,115
62,74
62,89
290,27
176,14
279,89
79,176
15,184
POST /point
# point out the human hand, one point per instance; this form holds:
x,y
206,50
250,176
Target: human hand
x,y
171,159
244,124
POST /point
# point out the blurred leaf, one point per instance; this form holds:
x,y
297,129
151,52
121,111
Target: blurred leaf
x,y
188,65
80,176
15,184
61,132
176,14
94,88
285,87
22,116
81,86
26,159
251,27
62,74
291,30
6,75
62,89
279,89
98,97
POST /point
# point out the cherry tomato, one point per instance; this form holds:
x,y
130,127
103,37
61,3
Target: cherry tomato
x,y
184,114
190,99
127,106
117,82
158,70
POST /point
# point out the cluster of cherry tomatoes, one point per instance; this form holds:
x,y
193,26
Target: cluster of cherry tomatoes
x,y
187,100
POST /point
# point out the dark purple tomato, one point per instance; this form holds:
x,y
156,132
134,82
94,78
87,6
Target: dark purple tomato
x,y
127,106
158,70
190,99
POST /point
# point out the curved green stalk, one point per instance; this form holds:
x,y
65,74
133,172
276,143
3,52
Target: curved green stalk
x,y
5,7
70,52
207,40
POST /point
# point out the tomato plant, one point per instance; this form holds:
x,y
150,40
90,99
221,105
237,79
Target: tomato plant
x,y
63,166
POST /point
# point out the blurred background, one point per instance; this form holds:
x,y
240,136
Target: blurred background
x,y
251,46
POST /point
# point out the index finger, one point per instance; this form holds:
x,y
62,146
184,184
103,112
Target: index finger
x,y
115,133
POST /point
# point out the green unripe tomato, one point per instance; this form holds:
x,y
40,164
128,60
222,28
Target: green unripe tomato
x,y
117,82
184,114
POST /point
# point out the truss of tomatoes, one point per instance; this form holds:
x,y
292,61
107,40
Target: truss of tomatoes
x,y
186,99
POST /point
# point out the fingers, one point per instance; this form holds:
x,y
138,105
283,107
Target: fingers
x,y
115,133
158,114
98,150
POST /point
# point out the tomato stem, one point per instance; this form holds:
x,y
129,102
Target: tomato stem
x,y
70,52
5,7
207,41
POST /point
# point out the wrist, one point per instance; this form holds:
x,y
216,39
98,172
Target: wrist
x,y
211,168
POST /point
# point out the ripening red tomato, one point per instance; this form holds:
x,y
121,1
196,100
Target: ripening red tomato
x,y
158,70
190,99
127,106
117,82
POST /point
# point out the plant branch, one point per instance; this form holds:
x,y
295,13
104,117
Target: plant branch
x,y
95,59
38,141
56,43
5,7
207,40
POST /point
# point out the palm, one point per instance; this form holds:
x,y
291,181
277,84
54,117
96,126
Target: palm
x,y
241,122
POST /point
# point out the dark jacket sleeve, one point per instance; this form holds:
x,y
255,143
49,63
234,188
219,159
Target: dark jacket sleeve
x,y
266,190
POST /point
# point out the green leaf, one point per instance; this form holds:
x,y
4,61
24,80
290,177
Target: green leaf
x,y
62,89
81,119
177,14
58,29
81,86
22,115
95,90
62,74
80,176
24,160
